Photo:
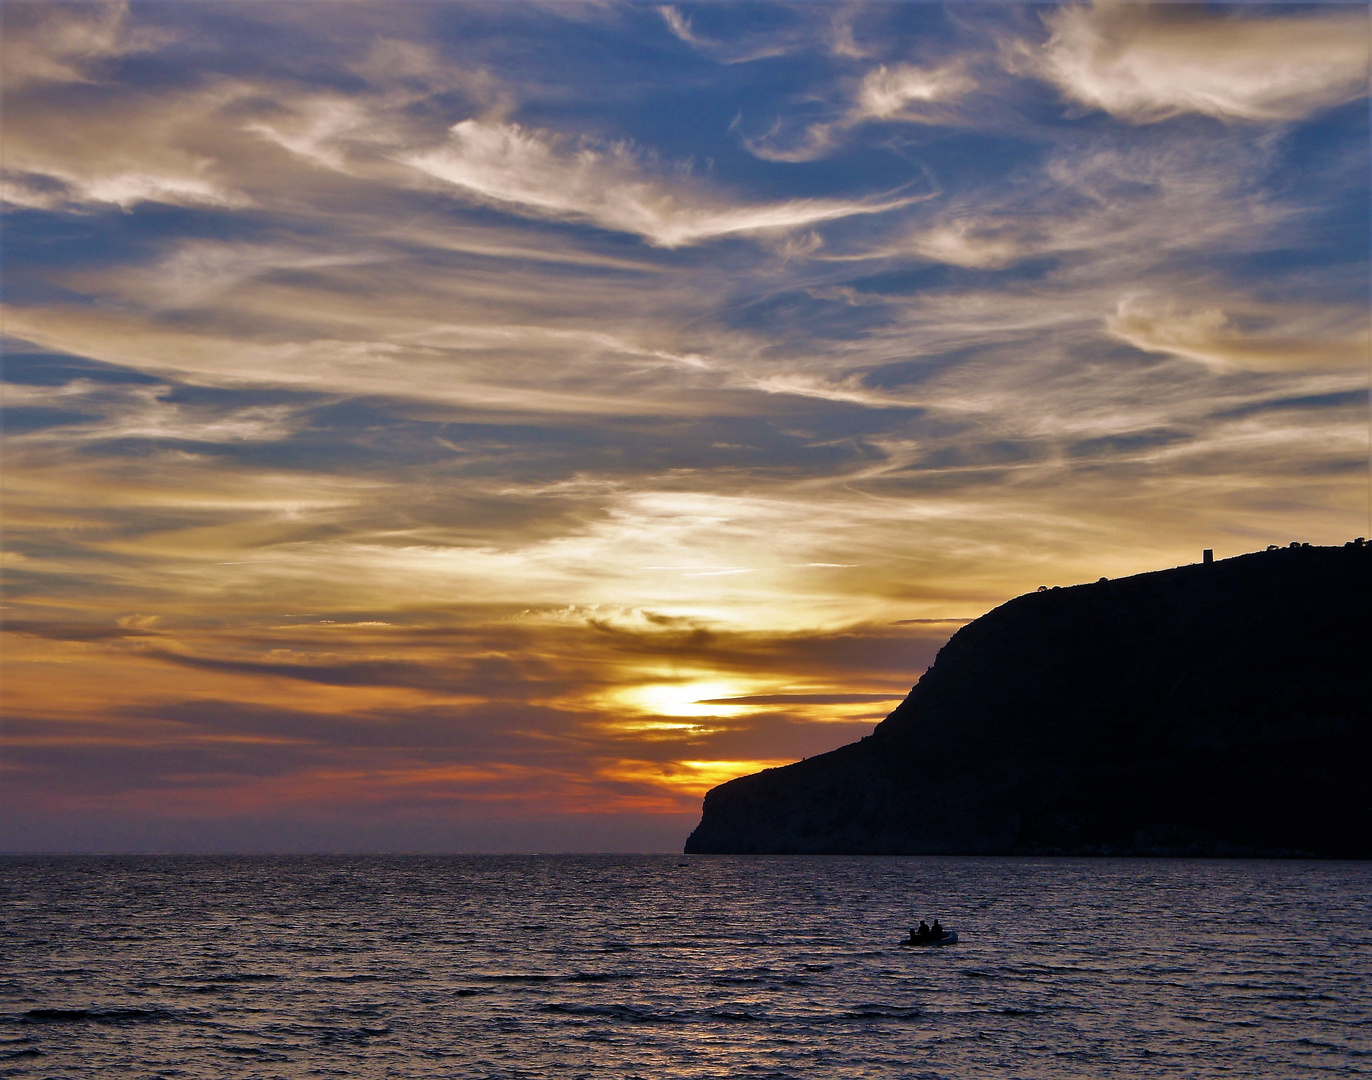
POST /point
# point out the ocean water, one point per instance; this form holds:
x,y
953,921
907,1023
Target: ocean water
x,y
675,966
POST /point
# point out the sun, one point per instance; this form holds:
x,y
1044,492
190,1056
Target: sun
x,y
688,699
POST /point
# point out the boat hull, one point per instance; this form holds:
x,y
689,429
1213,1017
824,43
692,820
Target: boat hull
x,y
950,937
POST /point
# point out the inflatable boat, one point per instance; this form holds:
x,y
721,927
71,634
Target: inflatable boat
x,y
948,937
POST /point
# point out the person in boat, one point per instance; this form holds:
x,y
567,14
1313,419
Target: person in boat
x,y
936,931
921,935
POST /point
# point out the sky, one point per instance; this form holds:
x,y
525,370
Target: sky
x,y
486,427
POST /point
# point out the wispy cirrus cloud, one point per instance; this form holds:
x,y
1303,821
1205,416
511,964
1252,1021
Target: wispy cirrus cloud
x,y
91,146
1274,340
66,43
928,94
1148,63
1103,202
94,412
561,178
910,93
801,32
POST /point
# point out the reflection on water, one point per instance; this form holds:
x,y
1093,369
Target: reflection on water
x,y
669,966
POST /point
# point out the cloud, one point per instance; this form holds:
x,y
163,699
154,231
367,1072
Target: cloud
x,y
322,129
609,186
909,93
1147,63
212,138
679,24
962,243
60,43
361,673
1134,203
842,40
803,699
746,47
900,93
1209,335
96,145
517,713
90,411
826,389
196,273
56,631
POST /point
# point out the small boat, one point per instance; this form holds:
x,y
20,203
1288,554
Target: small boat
x,y
948,937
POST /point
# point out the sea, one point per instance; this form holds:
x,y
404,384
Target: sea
x,y
665,966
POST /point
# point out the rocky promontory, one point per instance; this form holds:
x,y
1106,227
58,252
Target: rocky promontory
x,y
1214,709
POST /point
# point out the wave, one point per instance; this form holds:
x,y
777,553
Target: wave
x,y
95,1016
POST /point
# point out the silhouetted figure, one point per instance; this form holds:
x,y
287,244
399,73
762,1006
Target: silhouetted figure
x,y
920,936
936,931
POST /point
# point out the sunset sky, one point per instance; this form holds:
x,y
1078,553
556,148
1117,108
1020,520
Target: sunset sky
x,y
454,426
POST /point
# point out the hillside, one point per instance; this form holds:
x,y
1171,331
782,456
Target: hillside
x,y
1218,709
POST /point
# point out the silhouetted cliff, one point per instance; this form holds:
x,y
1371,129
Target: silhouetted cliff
x,y
1218,709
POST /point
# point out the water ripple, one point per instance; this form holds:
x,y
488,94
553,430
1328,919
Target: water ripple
x,y
605,967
